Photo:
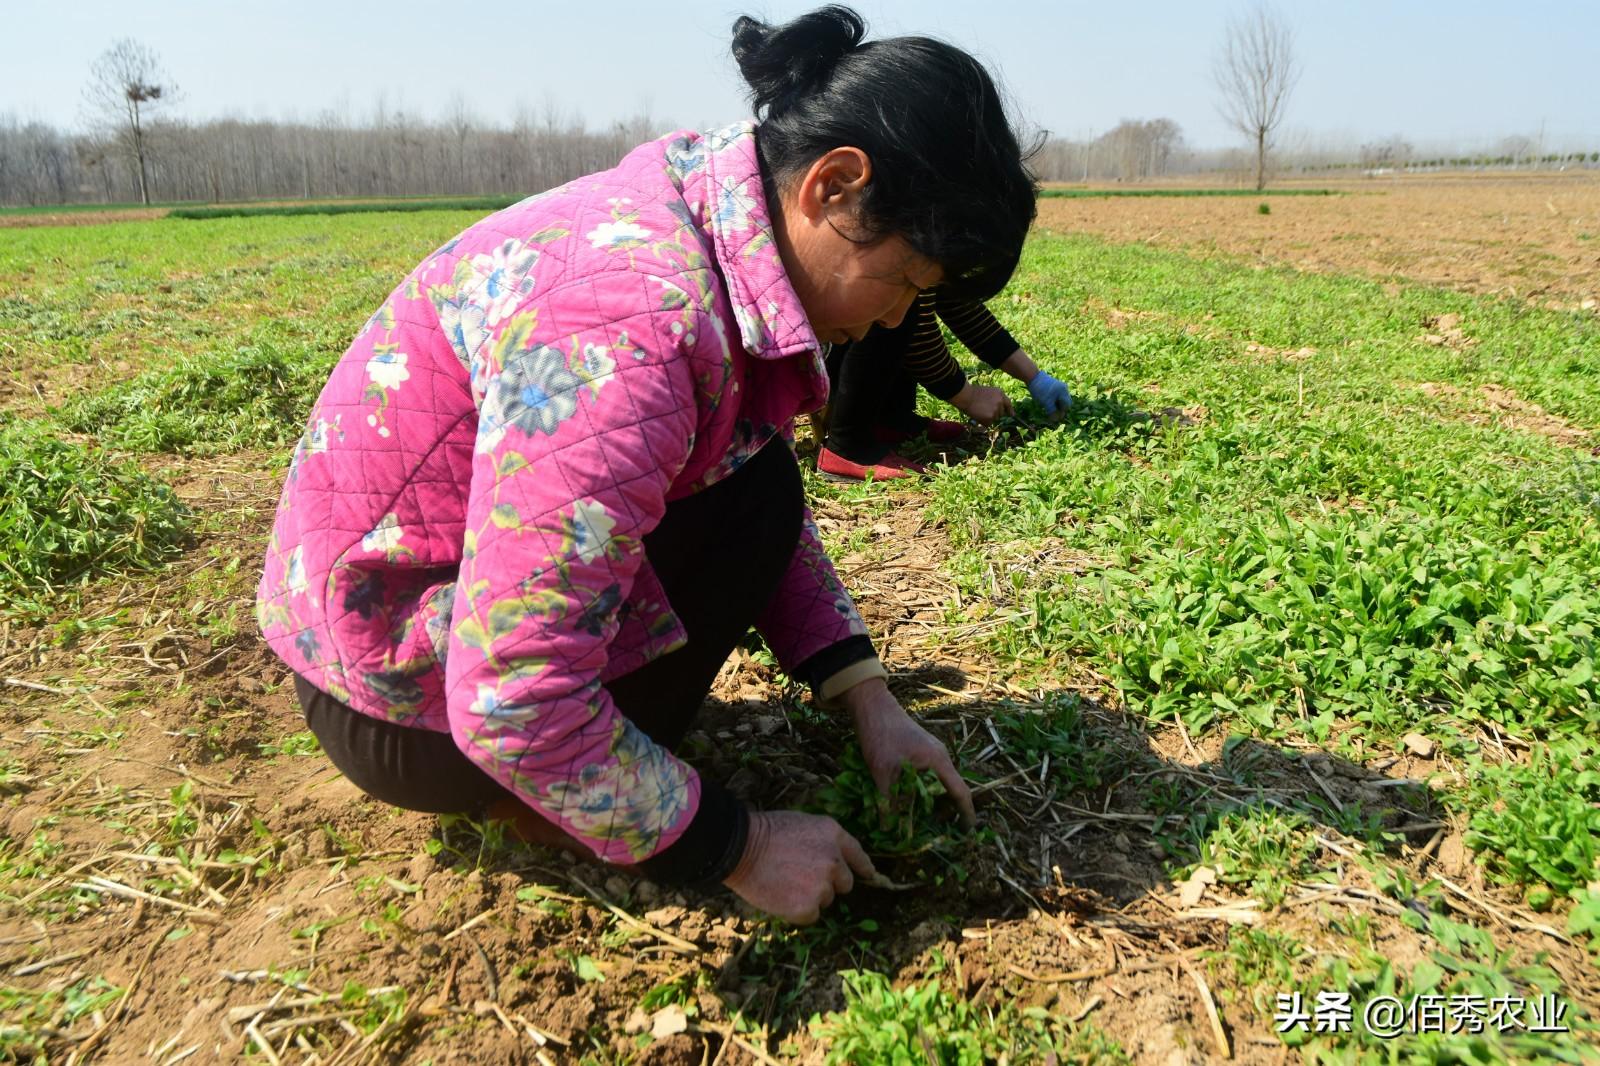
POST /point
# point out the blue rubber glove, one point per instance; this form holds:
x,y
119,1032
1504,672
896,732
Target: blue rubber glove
x,y
1050,393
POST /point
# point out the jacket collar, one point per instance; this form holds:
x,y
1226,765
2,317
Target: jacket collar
x,y
772,324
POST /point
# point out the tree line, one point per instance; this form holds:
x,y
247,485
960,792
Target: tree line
x,y
132,150
394,154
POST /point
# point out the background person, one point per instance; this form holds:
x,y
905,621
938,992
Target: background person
x,y
872,401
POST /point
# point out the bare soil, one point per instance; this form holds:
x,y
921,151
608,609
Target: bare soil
x,y
1534,237
81,218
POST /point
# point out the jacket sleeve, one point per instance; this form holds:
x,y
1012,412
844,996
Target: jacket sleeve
x,y
812,625
578,439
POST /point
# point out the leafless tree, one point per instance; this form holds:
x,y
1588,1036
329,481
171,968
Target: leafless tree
x,y
1137,150
126,84
1132,150
1386,154
1256,70
1517,148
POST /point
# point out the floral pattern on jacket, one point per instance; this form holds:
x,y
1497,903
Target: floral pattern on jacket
x,y
459,547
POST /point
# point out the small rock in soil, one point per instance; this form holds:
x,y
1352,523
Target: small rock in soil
x,y
1419,745
668,1021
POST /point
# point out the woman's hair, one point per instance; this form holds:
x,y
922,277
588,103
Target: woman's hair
x,y
948,174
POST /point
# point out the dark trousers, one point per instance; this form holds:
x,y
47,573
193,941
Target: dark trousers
x,y
869,388
719,554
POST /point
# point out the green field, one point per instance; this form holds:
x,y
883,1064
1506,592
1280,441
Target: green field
x,y
1082,194
333,205
1295,610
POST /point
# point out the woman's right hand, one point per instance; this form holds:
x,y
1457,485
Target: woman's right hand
x,y
982,403
795,864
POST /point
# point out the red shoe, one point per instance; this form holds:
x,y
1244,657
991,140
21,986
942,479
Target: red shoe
x,y
836,467
938,431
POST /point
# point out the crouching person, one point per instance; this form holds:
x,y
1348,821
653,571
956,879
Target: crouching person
x,y
550,486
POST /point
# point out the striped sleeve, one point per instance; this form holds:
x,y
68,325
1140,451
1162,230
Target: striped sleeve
x,y
927,359
979,330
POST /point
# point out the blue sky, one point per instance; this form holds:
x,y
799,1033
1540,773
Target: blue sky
x,y
1466,71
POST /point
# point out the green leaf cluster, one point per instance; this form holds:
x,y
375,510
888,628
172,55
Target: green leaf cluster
x,y
256,396
68,513
922,1024
906,822
1538,821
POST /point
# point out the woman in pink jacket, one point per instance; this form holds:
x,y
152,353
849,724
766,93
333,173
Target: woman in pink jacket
x,y
549,487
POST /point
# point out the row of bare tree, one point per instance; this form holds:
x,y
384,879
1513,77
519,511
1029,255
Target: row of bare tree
x,y
1132,150
231,159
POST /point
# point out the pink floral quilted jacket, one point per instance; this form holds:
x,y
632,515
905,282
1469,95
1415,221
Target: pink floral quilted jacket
x,y
458,542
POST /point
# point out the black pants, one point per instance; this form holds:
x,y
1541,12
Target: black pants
x,y
869,387
719,555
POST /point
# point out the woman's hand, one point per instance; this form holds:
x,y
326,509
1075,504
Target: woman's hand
x,y
795,864
1050,393
890,738
982,403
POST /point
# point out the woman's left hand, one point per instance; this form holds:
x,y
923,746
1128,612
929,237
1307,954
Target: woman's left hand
x,y
889,738
1050,393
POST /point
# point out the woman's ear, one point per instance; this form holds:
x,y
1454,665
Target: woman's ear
x,y
834,183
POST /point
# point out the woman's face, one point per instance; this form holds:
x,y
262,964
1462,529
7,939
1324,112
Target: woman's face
x,y
846,287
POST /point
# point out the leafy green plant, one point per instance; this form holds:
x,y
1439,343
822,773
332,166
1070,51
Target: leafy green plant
x,y
906,822
33,1015
376,1006
1464,962
1539,821
1057,732
219,401
302,743
1261,959
1584,918
1263,848
922,1023
68,513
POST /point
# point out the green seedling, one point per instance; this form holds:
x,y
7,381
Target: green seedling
x,y
924,1023
1264,849
68,513
1538,823
904,823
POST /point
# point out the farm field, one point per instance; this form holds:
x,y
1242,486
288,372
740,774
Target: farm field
x,y
1530,236
1272,665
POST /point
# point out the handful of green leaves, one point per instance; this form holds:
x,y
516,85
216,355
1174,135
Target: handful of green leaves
x,y
906,822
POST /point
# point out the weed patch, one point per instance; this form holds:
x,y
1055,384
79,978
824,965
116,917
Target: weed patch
x,y
1312,551
924,1023
1538,823
68,514
220,401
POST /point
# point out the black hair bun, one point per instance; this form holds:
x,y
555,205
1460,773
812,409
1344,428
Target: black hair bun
x,y
782,63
